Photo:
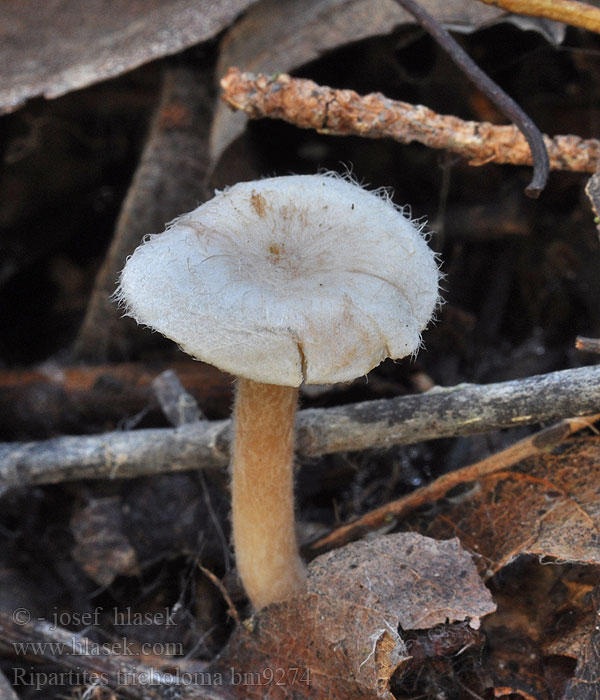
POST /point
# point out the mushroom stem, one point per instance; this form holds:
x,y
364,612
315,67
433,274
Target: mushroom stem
x,y
264,537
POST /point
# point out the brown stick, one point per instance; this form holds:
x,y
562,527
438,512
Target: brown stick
x,y
344,112
465,409
399,509
218,584
577,14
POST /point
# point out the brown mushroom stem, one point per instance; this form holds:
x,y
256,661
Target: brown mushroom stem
x,y
264,537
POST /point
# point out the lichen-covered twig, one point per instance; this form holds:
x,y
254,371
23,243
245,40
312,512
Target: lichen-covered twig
x,y
396,510
465,409
345,113
577,14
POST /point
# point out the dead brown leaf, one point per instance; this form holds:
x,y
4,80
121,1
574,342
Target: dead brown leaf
x,y
53,47
546,505
342,639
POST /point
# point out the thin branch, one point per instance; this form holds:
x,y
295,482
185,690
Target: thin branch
x,y
465,409
396,510
494,92
345,113
577,14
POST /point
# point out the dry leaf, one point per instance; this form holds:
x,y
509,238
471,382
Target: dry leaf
x,y
280,35
169,180
546,505
424,582
341,639
53,47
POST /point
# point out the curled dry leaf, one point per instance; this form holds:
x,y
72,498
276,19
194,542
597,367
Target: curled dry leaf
x,y
305,30
342,638
56,46
546,506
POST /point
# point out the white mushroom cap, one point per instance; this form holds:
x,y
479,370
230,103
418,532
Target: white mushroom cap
x,y
289,279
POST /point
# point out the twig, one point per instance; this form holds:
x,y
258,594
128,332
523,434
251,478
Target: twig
x,y
577,14
399,509
592,189
465,409
494,92
587,344
344,113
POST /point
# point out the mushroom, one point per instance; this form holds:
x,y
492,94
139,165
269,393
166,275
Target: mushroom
x,y
305,278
